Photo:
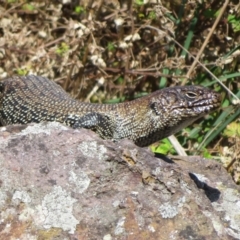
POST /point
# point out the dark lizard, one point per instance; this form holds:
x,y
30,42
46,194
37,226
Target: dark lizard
x,y
144,120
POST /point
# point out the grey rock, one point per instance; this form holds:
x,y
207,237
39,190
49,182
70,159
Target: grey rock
x,y
61,183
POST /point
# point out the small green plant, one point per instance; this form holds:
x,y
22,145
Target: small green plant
x,y
111,46
164,148
139,2
152,15
141,15
120,80
211,13
235,22
232,130
207,154
79,9
62,49
28,7
22,71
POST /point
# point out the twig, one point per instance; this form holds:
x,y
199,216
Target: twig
x,y
177,146
100,82
206,40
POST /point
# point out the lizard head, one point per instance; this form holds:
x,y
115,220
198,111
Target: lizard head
x,y
177,107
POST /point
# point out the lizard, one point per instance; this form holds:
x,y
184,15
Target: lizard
x,y
145,120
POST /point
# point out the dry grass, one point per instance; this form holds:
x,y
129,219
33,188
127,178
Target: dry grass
x,y
109,40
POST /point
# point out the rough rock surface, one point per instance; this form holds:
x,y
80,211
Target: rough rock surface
x,y
60,183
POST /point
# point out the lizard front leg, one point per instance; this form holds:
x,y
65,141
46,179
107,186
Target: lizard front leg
x,y
101,124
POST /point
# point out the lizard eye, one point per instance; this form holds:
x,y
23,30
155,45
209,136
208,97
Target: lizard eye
x,y
191,95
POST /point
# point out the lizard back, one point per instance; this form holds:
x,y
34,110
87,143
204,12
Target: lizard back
x,y
36,99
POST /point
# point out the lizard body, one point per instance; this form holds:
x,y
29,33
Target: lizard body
x,y
144,120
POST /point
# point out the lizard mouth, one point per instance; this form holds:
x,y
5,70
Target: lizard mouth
x,y
198,107
210,99
211,103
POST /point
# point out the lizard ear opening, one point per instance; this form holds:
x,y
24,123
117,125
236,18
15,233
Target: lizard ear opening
x,y
154,107
1,87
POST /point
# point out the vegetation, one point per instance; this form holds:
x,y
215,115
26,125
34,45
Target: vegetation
x,y
125,49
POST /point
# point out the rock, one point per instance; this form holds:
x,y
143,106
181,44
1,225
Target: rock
x,y
61,183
